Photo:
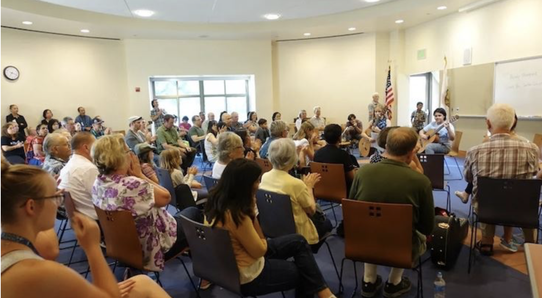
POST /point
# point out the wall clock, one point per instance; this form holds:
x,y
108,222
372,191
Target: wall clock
x,y
11,73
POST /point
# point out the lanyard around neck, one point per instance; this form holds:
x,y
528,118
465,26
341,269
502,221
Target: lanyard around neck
x,y
18,239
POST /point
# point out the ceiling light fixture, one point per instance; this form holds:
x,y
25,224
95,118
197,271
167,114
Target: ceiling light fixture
x,y
85,31
307,34
371,1
27,23
144,13
272,16
476,5
352,29
442,7
399,21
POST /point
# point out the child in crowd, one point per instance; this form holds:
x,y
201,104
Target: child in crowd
x,y
171,160
263,132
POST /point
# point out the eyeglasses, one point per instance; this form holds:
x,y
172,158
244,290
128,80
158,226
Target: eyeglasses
x,y
58,199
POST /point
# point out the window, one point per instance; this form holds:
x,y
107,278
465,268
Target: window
x,y
187,96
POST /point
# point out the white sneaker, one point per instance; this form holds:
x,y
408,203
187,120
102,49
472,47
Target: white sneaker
x,y
463,196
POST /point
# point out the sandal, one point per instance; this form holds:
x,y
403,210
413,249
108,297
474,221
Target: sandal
x,y
485,249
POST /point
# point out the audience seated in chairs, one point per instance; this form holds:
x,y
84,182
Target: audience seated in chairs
x,y
301,118
252,123
263,265
171,161
196,133
29,202
122,186
331,153
167,137
371,184
382,140
492,159
53,125
12,142
37,156
145,155
230,147
310,220
279,129
79,174
57,153
211,139
133,135
47,117
304,140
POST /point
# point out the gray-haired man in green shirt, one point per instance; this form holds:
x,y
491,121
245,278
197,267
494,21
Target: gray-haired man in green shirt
x,y
372,183
167,137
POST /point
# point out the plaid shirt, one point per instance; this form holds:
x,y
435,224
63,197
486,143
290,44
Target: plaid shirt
x,y
502,157
160,120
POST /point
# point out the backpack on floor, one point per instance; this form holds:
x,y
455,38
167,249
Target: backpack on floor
x,y
447,238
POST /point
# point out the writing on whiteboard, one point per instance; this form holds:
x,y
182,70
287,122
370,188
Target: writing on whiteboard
x,y
524,80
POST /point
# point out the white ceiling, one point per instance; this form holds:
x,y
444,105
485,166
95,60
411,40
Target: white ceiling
x,y
229,19
215,11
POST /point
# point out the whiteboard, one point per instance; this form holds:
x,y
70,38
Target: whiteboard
x,y
519,84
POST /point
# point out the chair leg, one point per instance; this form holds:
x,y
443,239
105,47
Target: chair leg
x,y
472,242
62,230
73,252
420,279
189,277
334,265
447,167
356,278
448,199
459,169
157,274
341,289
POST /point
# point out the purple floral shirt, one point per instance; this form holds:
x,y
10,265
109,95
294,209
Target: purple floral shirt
x,y
156,228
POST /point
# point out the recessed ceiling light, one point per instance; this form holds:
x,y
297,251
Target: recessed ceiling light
x,y
27,23
85,31
399,21
352,29
371,1
307,34
272,16
144,13
442,7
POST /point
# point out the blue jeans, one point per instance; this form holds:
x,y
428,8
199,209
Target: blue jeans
x,y
278,274
436,148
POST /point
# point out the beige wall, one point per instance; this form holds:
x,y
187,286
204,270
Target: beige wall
x,y
62,73
502,31
145,58
337,74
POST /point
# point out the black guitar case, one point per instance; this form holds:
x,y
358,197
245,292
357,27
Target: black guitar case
x,y
447,239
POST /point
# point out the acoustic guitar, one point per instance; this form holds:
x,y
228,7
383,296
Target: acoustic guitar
x,y
365,144
433,136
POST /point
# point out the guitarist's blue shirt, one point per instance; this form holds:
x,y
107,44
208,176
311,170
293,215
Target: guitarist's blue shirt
x,y
443,133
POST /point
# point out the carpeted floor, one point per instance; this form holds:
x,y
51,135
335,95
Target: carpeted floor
x,y
503,275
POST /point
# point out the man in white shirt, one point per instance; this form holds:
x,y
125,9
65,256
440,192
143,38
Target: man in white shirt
x,y
318,122
300,119
79,174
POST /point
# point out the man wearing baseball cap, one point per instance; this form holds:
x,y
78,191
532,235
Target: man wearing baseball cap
x,y
133,137
98,130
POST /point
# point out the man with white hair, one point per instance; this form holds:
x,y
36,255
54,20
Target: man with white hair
x,y
502,157
57,152
373,105
318,122
210,117
235,124
279,129
301,117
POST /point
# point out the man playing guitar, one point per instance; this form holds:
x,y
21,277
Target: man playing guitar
x,y
442,131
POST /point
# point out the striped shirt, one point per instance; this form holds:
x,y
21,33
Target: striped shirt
x,y
502,157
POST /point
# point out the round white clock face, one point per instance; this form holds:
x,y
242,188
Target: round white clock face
x,y
11,73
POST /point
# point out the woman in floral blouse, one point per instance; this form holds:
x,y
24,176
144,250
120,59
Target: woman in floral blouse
x,y
122,186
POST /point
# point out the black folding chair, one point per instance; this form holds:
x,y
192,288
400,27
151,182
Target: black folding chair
x,y
505,202
433,168
210,182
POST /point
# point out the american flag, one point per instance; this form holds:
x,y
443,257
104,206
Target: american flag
x,y
389,94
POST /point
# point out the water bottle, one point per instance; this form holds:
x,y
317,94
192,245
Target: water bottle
x,y
440,286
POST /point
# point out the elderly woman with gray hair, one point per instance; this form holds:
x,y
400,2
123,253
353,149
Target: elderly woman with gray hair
x,y
279,129
230,147
310,221
57,151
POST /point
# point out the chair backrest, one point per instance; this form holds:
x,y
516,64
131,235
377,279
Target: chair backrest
x,y
185,199
508,202
69,204
378,233
457,141
212,254
165,181
121,239
332,185
272,206
433,168
15,160
122,132
210,182
265,164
